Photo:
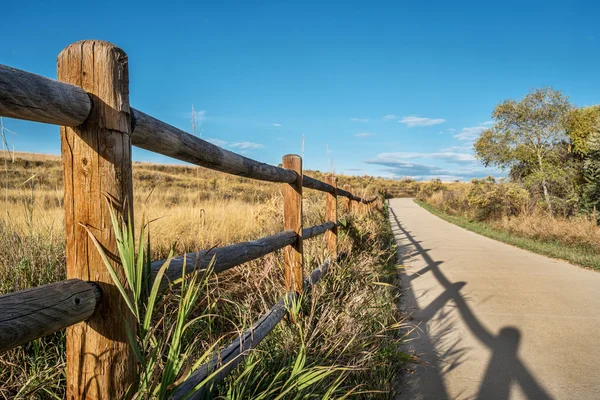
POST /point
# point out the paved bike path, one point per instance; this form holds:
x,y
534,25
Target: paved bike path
x,y
493,321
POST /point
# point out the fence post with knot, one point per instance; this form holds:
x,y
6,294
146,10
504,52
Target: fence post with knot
x,y
96,159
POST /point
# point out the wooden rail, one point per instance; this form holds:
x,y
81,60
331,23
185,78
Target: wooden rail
x,y
98,128
227,359
32,313
24,95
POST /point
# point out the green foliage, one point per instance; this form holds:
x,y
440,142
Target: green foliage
x,y
158,342
491,200
431,187
590,196
582,124
527,137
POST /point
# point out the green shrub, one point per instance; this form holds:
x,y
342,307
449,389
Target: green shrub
x,y
431,187
489,199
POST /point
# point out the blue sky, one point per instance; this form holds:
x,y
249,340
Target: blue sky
x,y
383,88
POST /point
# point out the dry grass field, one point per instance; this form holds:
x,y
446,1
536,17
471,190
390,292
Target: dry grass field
x,y
350,325
506,212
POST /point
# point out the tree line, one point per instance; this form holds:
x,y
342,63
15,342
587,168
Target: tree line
x,y
549,147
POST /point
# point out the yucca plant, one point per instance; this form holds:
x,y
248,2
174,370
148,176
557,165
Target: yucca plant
x,y
160,345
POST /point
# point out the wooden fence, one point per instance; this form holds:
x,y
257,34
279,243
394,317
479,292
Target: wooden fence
x,y
90,101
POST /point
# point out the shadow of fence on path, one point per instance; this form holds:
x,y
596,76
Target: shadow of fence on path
x,y
505,367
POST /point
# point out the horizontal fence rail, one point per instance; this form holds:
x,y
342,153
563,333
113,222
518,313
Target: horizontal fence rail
x,y
37,312
32,97
98,128
32,313
220,365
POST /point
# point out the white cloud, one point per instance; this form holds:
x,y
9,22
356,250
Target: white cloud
x,y
451,130
470,133
457,148
243,146
398,165
419,121
447,156
389,116
359,119
217,142
247,145
277,125
363,134
488,123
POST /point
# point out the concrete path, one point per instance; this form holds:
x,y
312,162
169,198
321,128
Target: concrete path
x,y
494,321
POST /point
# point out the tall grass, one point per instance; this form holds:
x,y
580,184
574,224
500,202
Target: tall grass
x,y
345,341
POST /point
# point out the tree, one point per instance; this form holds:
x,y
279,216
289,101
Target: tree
x,y
583,127
526,135
581,124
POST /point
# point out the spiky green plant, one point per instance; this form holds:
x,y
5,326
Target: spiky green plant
x,y
160,344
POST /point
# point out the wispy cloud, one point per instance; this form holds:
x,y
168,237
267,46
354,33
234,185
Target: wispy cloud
x,y
243,146
420,121
470,133
446,156
457,148
277,125
215,141
488,123
389,117
246,145
397,165
363,134
359,119
449,130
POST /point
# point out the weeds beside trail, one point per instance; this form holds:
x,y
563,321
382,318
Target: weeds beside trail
x,y
347,332
518,232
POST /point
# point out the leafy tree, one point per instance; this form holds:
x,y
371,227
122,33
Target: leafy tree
x,y
525,137
583,127
581,124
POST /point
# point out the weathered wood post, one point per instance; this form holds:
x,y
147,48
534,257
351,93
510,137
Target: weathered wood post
x,y
97,165
348,202
331,215
292,220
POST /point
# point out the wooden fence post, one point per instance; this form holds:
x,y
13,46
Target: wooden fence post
x,y
331,215
348,202
97,165
292,220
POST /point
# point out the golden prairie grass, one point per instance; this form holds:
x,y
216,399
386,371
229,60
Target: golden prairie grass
x,y
349,319
575,234
575,231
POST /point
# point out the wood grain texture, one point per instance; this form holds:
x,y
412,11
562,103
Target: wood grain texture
x,y
97,164
312,231
224,257
28,96
227,257
348,201
32,313
159,137
292,220
24,95
331,216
